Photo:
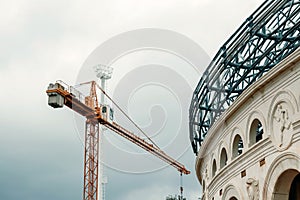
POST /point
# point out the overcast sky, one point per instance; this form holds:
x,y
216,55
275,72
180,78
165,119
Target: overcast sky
x,y
41,153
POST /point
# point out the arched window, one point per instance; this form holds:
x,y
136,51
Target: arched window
x,y
256,132
287,186
203,186
233,198
237,147
214,168
295,188
223,160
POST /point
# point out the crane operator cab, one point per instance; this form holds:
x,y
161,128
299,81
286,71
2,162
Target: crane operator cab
x,y
107,113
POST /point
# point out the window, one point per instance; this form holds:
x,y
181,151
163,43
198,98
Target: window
x,y
214,168
111,114
287,186
256,132
223,160
294,192
237,147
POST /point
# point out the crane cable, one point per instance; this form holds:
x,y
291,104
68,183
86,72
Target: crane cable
x,y
126,115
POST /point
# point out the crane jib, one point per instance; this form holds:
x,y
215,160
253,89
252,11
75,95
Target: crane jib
x,y
60,95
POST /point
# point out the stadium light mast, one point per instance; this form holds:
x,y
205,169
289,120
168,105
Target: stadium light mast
x,y
104,73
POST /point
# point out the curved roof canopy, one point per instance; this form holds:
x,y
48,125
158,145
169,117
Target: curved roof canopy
x,y
269,35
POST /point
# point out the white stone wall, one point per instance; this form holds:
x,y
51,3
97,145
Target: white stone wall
x,y
274,100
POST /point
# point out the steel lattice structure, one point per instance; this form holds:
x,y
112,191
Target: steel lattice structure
x,y
91,162
269,35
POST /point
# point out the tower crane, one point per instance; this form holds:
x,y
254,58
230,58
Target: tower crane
x,y
60,94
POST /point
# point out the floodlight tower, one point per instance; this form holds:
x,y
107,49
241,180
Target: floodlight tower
x,y
104,73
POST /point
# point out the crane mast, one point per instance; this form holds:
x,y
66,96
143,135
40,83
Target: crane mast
x,y
91,150
60,94
91,162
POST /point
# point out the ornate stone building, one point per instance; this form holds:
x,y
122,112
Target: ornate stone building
x,y
253,150
245,110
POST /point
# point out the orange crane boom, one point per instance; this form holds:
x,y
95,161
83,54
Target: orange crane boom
x,y
61,94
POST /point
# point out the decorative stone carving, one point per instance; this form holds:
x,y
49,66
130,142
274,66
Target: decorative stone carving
x,y
252,189
206,174
282,119
282,116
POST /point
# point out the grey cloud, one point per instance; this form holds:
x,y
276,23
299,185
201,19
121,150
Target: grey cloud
x,y
41,41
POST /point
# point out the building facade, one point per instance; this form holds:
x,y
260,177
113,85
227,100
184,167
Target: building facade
x,y
244,116
253,150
